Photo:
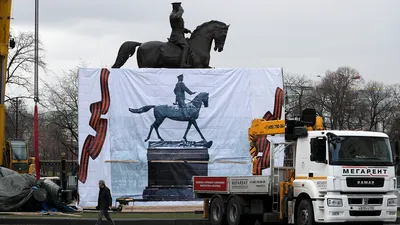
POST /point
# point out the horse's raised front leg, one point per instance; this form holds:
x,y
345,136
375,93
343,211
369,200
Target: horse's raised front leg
x,y
198,130
187,130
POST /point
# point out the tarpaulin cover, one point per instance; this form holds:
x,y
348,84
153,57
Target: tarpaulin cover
x,y
53,193
15,189
118,108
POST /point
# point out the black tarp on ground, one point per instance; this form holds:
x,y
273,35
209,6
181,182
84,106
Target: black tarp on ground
x,y
53,194
15,189
23,192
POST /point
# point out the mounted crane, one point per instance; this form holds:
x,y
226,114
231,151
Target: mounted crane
x,y
328,176
14,153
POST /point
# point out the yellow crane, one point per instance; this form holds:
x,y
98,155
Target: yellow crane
x,y
14,153
262,127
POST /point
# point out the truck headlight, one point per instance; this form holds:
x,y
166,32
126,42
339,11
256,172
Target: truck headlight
x,y
334,202
392,202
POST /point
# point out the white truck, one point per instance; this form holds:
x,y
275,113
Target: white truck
x,y
328,176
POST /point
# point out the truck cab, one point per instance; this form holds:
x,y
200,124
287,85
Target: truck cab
x,y
344,176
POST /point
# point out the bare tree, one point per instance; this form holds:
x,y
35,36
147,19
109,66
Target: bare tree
x,y
381,101
62,100
51,147
22,127
298,89
394,129
21,61
337,97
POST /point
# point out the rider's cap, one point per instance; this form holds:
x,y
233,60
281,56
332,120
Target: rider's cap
x,y
176,3
180,76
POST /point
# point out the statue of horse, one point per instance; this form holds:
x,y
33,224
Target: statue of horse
x,y
189,113
157,54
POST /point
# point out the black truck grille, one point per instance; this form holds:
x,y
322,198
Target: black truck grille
x,y
365,181
365,201
365,213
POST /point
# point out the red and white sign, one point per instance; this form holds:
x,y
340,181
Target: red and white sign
x,y
249,184
210,184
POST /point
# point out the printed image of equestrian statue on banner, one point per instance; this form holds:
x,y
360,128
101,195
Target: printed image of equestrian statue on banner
x,y
147,132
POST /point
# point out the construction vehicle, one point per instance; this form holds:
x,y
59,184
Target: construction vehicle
x,y
16,157
328,176
14,154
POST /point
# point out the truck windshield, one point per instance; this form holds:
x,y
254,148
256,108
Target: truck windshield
x,y
18,150
360,151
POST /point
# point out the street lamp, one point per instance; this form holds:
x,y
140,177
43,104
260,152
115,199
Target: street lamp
x,y
36,92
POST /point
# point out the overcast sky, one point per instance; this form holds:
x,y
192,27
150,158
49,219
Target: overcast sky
x,y
304,37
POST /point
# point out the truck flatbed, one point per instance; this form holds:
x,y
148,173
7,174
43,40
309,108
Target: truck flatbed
x,y
231,184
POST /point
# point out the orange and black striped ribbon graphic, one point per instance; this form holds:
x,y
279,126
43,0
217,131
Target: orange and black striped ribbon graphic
x,y
262,143
93,144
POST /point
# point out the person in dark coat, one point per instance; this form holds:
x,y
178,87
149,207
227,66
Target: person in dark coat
x,y
104,203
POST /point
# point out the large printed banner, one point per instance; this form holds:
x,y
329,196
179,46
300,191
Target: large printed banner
x,y
146,132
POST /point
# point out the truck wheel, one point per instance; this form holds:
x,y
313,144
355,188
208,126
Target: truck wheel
x,y
216,213
234,211
305,213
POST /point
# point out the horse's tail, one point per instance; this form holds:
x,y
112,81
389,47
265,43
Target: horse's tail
x,y
142,110
126,50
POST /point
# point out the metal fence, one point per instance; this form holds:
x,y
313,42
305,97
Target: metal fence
x,y
50,168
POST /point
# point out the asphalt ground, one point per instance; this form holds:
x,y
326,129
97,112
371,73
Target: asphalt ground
x,y
87,221
119,219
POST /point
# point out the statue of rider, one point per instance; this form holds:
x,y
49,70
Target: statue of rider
x,y
179,90
178,32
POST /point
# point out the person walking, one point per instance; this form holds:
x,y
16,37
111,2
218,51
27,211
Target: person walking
x,y
104,203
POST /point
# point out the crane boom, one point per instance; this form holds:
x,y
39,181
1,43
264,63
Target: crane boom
x,y
262,127
266,127
14,153
5,17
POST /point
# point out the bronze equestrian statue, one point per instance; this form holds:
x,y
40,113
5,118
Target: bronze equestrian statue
x,y
178,32
174,52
